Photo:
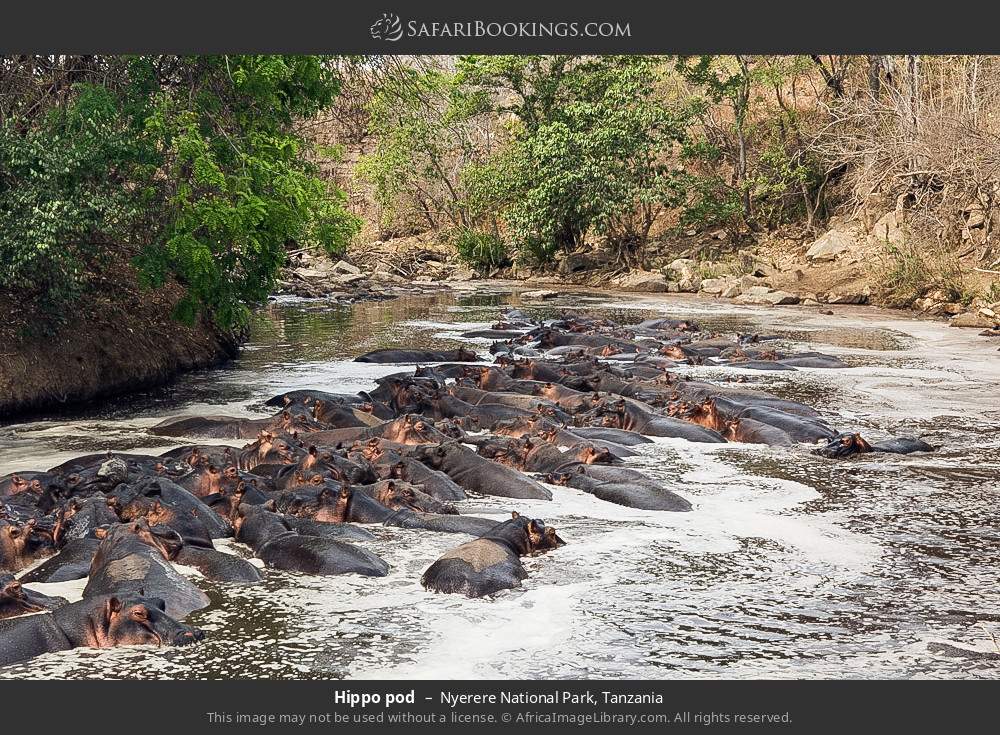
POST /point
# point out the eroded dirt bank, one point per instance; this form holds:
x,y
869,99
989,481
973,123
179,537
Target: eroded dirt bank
x,y
114,342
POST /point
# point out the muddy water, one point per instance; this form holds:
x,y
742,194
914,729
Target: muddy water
x,y
790,566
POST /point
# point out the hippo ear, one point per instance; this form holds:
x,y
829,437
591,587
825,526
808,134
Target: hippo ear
x,y
312,450
271,505
101,532
112,607
515,515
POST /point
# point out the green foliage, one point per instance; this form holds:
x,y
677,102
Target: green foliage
x,y
587,152
427,131
188,164
482,250
745,170
57,199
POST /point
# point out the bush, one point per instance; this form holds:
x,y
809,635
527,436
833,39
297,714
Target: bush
x,y
187,166
484,251
907,272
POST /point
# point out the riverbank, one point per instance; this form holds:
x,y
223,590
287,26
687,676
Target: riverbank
x,y
115,341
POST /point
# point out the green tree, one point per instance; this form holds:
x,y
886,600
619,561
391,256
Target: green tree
x,y
191,166
590,149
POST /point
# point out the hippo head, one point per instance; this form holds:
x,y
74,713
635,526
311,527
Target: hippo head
x,y
13,600
590,454
137,621
165,540
541,538
410,429
845,445
14,538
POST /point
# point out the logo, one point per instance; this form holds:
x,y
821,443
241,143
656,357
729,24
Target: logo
x,y
387,28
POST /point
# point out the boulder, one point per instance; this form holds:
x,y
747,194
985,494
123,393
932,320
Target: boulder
x,y
715,286
347,279
830,245
342,266
889,228
780,298
846,297
539,295
643,282
971,319
730,292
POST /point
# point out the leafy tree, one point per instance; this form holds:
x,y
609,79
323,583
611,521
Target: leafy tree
x,y
590,149
744,169
189,165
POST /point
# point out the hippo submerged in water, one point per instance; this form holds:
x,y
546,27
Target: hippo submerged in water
x,y
106,621
492,562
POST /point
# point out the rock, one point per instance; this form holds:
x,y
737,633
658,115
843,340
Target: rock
x,y
689,285
953,308
889,228
463,273
756,291
347,279
987,312
673,287
342,266
830,245
539,295
846,297
969,319
780,298
747,282
718,235
730,292
766,296
810,302
715,286
643,282
573,262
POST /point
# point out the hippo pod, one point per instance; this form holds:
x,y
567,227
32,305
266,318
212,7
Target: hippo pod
x,y
105,621
492,562
17,600
132,559
281,547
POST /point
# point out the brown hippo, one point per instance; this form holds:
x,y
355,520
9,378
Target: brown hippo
x,y
492,562
105,621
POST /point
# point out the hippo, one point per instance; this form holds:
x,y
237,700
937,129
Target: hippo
x,y
433,482
132,559
19,548
104,621
72,562
16,600
280,547
81,518
419,356
176,504
848,444
472,525
479,475
621,486
632,416
492,562
751,431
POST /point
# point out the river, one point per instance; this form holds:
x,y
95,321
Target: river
x,y
790,565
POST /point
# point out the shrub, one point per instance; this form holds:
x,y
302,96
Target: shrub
x,y
482,250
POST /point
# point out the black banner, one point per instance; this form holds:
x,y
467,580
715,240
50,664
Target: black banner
x,y
516,26
193,708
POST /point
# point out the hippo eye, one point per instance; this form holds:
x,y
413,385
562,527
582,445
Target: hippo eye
x,y
140,613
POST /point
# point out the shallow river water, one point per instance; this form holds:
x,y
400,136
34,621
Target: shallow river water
x,y
790,565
